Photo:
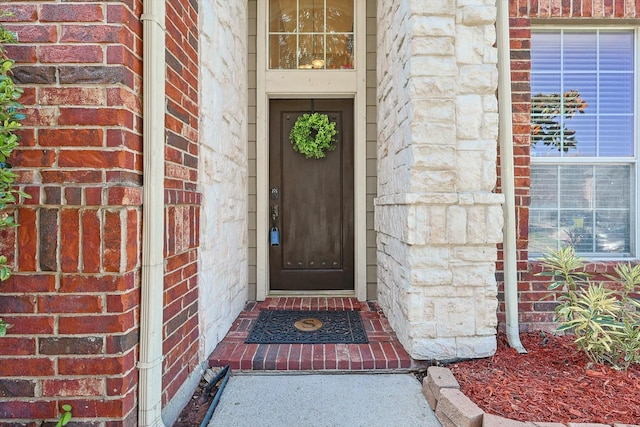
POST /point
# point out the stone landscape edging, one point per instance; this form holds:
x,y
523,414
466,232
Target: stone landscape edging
x,y
454,409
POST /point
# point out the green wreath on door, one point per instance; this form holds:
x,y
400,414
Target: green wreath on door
x,y
313,134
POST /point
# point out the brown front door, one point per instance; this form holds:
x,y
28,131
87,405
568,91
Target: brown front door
x,y
314,201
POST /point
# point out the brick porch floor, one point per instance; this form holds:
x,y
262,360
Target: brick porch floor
x,y
383,352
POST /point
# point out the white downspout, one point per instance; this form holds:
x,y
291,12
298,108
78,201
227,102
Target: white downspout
x,y
151,305
508,177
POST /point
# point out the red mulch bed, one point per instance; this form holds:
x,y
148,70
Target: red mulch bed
x,y
553,382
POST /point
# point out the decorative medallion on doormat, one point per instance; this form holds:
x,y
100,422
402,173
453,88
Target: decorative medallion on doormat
x,y
307,327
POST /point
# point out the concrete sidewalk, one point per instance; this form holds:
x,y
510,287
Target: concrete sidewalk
x,y
323,400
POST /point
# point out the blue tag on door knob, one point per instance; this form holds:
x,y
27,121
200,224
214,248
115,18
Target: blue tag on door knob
x,y
275,236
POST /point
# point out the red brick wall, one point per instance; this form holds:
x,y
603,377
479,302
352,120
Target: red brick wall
x,y
74,300
536,313
182,213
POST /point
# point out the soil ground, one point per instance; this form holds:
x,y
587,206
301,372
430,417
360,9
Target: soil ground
x,y
196,409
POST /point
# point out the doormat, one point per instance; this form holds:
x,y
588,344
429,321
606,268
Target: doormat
x,y
308,327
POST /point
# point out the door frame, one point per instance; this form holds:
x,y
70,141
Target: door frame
x,y
274,84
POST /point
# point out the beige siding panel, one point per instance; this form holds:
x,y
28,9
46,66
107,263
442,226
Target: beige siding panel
x,y
372,133
253,28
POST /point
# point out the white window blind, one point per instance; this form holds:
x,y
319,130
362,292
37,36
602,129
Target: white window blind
x,y
583,165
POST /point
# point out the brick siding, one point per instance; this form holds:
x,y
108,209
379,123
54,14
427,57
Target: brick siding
x,y
74,299
535,312
182,210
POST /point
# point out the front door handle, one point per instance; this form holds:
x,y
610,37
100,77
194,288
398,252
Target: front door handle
x,y
274,214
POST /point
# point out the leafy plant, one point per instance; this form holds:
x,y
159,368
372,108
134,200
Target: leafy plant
x,y
605,320
65,417
312,134
549,112
9,124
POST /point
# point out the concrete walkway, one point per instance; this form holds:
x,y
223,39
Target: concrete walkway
x,y
326,400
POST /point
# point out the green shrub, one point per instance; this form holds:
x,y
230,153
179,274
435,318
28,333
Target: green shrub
x,y
604,319
9,124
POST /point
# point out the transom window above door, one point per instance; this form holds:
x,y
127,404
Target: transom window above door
x,y
311,34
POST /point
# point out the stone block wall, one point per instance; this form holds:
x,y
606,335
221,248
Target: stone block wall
x,y
437,218
535,307
223,175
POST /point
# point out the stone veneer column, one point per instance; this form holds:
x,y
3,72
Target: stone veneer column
x,y
223,172
437,218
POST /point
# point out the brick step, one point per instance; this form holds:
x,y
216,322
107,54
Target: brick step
x,y
383,352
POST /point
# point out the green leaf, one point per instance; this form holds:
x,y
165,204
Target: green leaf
x,y
5,273
555,285
546,274
66,416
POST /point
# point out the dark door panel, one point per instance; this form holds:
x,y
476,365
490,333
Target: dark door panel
x,y
314,201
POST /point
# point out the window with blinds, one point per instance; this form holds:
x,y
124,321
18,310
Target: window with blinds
x,y
583,144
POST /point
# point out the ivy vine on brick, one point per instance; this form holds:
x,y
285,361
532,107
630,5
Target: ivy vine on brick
x,y
10,117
